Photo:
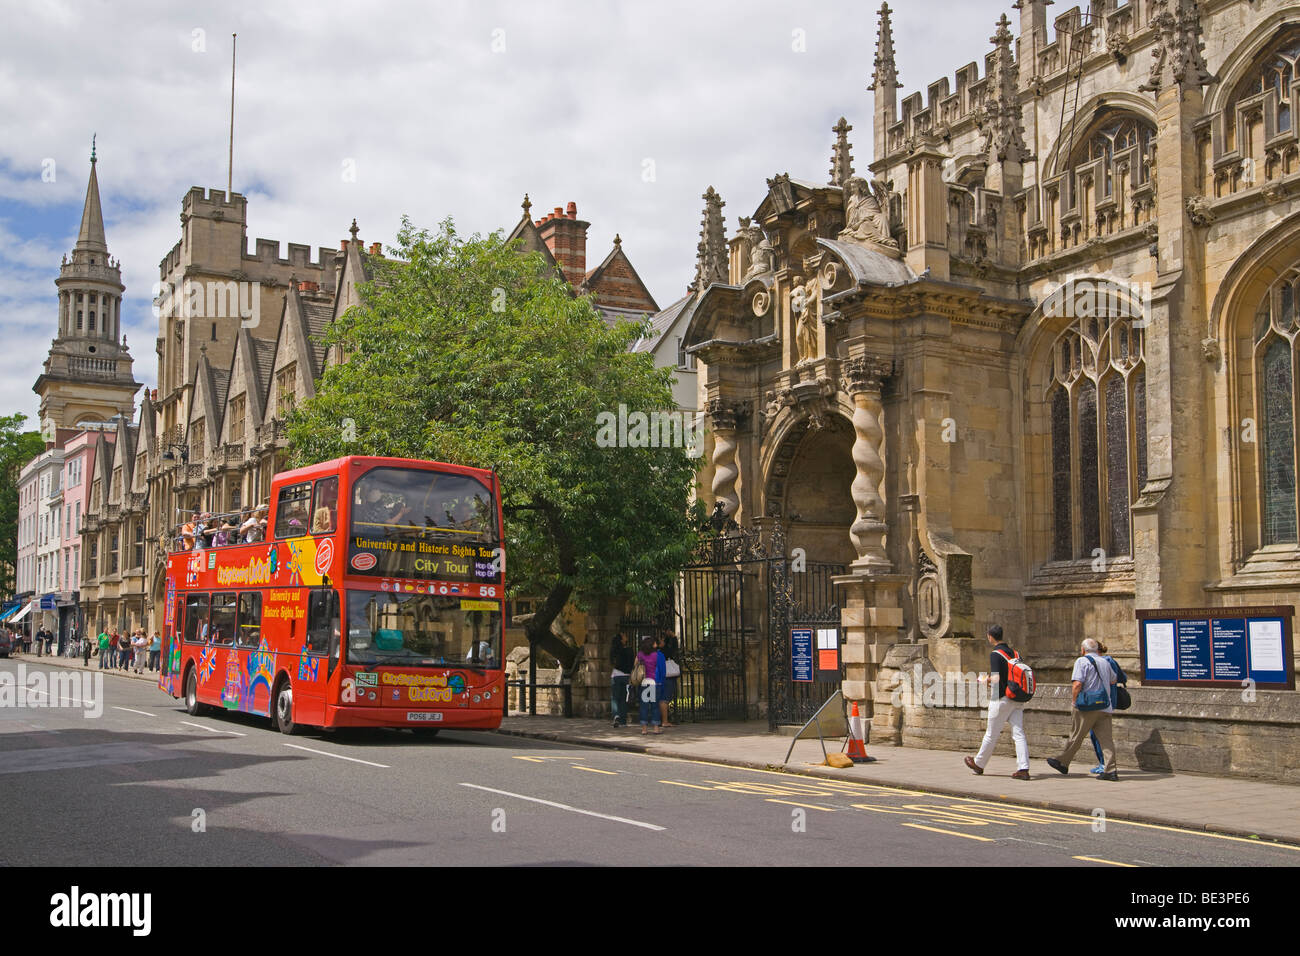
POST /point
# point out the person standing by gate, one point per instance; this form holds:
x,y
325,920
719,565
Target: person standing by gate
x,y
653,662
672,671
1003,709
622,661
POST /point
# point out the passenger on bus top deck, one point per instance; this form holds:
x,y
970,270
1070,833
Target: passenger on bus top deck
x,y
322,521
376,510
187,534
255,527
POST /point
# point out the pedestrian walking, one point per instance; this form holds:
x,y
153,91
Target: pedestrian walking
x,y
155,648
1091,682
1120,678
85,651
622,660
138,645
114,649
105,649
653,662
672,671
1006,706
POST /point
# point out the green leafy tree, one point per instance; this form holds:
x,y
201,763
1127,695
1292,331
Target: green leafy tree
x,y
468,351
17,448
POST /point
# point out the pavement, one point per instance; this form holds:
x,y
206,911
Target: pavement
x,y
1235,806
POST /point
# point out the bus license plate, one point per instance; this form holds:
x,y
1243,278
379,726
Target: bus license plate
x,y
424,715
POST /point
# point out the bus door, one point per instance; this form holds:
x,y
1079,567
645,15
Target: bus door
x,y
169,662
322,625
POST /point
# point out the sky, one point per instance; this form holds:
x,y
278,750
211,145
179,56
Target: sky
x,y
429,109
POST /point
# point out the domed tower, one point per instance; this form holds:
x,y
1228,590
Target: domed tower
x,y
87,375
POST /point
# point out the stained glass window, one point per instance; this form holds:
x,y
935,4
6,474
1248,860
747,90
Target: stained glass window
x,y
1089,523
1117,489
1276,397
1062,547
1099,454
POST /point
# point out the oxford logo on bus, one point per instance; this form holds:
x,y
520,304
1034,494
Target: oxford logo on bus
x,y
364,561
1098,296
324,556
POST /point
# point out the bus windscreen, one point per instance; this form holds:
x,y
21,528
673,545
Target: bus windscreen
x,y
414,523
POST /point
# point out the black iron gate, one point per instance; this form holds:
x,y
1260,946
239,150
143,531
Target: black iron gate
x,y
800,594
734,594
712,609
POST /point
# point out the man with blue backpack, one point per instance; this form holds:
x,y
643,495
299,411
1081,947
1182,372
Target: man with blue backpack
x,y
1091,682
1011,685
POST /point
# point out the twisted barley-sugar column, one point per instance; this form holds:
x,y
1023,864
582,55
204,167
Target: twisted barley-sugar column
x,y
868,529
725,470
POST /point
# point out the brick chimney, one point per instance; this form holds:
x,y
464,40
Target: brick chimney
x,y
306,286
566,236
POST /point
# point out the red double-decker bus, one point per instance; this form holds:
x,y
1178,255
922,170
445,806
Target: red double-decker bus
x,y
372,598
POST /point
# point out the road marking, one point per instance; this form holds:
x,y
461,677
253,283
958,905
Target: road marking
x,y
1097,859
326,753
967,836
565,806
544,759
678,783
130,711
612,773
809,806
215,730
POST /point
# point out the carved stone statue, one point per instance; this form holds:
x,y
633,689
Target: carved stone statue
x,y
865,213
762,257
805,302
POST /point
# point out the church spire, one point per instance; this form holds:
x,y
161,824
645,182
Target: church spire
x,y
90,238
1001,121
841,154
886,75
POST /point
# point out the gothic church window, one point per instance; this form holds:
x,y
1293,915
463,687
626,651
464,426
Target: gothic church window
x,y
1097,421
1271,78
1276,326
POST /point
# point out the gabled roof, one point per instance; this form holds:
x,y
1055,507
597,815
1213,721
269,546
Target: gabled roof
x,y
615,284
663,323
531,240
316,314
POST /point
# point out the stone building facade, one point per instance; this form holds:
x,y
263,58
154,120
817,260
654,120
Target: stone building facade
x,y
1048,334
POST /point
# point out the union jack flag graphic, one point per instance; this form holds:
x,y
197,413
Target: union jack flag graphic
x,y
207,662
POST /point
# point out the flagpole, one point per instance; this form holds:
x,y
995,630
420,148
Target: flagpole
x,y
230,163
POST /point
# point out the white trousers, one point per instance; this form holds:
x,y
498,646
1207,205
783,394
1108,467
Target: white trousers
x,y
1002,711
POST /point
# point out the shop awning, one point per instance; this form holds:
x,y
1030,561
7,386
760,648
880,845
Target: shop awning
x,y
9,612
22,613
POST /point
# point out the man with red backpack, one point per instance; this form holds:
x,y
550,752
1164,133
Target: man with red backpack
x,y
1011,684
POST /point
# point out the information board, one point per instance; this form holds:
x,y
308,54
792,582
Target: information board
x,y
828,655
1215,647
801,654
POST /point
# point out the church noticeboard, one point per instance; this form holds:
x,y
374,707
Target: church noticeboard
x,y
1217,647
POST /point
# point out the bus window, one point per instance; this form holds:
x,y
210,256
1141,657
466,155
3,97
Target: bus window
x,y
325,507
223,618
196,619
322,619
291,510
399,502
421,630
250,619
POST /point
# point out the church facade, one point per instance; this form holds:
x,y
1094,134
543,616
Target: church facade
x,y
1035,364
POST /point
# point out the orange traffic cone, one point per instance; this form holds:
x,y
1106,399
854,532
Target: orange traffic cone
x,y
857,746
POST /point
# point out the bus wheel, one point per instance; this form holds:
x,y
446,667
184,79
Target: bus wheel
x,y
192,705
284,709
